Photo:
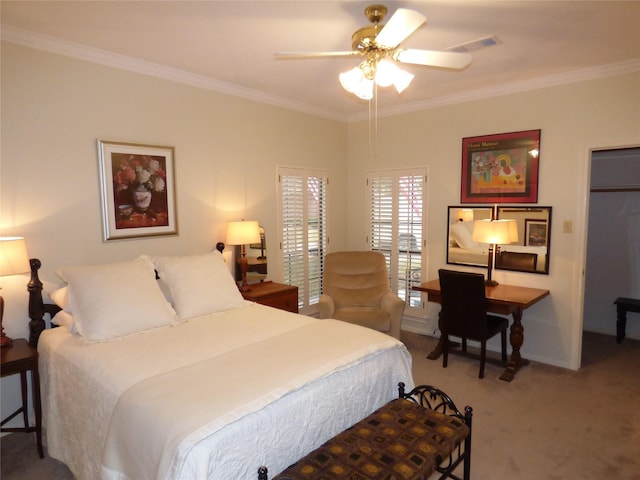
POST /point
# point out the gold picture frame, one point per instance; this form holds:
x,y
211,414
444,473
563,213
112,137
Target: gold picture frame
x,y
138,190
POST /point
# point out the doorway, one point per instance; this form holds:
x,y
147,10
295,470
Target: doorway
x,y
612,266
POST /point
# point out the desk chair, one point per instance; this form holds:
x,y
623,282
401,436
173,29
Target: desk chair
x,y
356,289
464,314
519,261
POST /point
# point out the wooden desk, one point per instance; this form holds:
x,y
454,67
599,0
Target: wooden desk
x,y
501,299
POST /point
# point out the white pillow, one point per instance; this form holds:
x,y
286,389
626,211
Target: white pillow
x,y
462,235
117,299
60,297
198,284
65,319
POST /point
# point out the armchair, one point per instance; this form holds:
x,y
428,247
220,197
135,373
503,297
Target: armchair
x,y
356,290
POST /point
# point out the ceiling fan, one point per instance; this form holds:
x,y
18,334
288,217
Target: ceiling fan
x,y
380,45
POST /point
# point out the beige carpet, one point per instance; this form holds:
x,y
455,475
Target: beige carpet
x,y
548,424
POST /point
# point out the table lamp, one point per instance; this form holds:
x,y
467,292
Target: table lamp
x,y
494,232
465,215
241,233
13,261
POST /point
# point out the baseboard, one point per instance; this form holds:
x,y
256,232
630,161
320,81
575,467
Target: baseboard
x,y
421,326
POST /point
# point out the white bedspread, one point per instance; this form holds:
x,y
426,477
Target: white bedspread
x,y
252,361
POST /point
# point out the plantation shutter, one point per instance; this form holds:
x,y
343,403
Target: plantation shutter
x,y
397,228
304,237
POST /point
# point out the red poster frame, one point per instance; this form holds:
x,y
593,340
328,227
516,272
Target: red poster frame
x,y
501,168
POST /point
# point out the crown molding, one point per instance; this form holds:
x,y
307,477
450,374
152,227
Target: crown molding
x,y
103,57
592,73
82,52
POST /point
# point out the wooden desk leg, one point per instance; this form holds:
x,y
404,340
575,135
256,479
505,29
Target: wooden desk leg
x,y
517,339
439,348
37,408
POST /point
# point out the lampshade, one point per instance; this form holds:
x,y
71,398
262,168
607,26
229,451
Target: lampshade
x,y
13,256
465,215
495,232
243,232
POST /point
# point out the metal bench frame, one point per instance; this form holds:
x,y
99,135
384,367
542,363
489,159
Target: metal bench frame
x,y
434,399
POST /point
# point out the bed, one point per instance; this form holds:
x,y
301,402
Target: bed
x,y
178,377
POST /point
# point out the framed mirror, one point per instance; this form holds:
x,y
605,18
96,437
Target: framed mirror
x,y
531,252
461,250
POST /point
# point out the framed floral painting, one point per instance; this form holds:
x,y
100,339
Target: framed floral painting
x,y
501,168
138,190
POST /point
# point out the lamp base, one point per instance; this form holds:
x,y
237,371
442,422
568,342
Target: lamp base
x,y
491,283
5,341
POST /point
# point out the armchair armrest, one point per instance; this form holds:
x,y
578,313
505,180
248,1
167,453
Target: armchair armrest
x,y
326,306
394,305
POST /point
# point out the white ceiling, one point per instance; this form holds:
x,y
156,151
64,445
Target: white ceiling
x,y
230,45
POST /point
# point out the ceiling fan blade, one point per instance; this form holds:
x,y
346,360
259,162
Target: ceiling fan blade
x,y
296,55
402,24
432,58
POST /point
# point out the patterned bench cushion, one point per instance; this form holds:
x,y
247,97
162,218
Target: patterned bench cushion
x,y
399,441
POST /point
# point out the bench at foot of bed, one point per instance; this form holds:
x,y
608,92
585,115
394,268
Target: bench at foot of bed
x,y
411,437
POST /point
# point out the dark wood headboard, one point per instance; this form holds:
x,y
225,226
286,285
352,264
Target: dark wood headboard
x,y
37,307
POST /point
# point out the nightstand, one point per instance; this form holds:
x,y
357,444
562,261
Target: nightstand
x,y
20,358
277,295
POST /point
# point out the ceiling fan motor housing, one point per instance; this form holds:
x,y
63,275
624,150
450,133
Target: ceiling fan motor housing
x,y
364,39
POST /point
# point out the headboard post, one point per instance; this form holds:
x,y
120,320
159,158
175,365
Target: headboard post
x,y
36,305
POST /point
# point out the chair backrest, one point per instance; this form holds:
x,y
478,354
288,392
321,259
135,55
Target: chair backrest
x,y
520,261
357,278
464,304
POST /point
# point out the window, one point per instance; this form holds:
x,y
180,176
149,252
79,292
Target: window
x,y
302,196
397,228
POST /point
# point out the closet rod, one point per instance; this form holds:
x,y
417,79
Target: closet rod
x,y
621,188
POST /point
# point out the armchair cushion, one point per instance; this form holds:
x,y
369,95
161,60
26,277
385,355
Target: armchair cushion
x,y
356,290
355,278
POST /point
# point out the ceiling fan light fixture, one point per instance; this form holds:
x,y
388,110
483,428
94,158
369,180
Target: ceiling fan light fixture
x,y
354,81
350,79
386,73
365,89
402,80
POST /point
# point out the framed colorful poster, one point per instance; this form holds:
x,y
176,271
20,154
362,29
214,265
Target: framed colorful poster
x,y
138,190
501,168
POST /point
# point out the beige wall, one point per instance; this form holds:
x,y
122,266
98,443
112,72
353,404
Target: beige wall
x,y
573,118
54,109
